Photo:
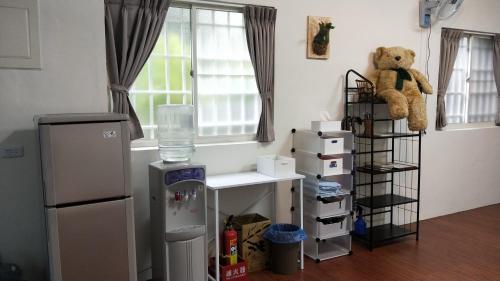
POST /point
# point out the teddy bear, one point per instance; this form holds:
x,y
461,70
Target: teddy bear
x,y
400,85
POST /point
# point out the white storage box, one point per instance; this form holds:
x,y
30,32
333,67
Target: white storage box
x,y
328,227
326,126
326,206
275,165
310,141
323,165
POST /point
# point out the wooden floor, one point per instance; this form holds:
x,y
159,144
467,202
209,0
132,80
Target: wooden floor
x,y
461,246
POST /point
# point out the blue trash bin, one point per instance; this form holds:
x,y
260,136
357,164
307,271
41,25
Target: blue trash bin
x,y
285,245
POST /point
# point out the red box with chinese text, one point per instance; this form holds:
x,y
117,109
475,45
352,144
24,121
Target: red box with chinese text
x,y
237,272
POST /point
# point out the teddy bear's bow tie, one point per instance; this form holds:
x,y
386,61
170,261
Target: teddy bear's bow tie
x,y
403,74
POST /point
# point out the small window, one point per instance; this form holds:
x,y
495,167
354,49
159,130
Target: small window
x,y
471,96
201,58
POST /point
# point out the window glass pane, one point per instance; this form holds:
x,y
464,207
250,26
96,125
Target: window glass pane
x,y
176,74
228,100
204,16
174,39
221,17
236,19
456,93
158,100
141,106
187,74
159,48
158,73
186,39
482,103
165,78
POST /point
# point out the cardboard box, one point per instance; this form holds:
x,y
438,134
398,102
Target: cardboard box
x,y
237,272
252,246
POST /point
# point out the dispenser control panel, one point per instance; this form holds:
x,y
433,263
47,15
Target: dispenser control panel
x,y
185,195
185,191
175,176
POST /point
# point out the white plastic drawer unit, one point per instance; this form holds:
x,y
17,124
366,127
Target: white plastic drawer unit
x,y
312,142
324,165
324,206
328,227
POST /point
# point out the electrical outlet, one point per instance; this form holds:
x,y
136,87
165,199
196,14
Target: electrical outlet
x,y
15,151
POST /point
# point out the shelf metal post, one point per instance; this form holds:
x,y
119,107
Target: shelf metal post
x,y
418,180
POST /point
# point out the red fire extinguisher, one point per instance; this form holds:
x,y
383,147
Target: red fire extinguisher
x,y
230,243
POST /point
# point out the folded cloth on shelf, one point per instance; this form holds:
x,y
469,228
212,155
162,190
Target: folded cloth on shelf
x,y
323,193
329,185
322,183
324,188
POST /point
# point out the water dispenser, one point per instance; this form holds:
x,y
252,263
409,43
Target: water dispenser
x,y
178,221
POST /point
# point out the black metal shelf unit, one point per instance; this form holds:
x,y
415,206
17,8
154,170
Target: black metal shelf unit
x,y
387,160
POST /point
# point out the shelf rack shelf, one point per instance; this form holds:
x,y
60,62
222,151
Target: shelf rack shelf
x,y
382,201
386,232
387,167
388,136
373,170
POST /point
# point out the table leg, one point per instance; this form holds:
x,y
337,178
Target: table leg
x,y
217,246
301,198
274,202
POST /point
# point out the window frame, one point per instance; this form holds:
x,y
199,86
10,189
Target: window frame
x,y
201,140
469,125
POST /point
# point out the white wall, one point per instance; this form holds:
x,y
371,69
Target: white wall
x,y
72,79
460,168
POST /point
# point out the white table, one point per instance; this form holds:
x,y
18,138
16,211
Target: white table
x,y
217,183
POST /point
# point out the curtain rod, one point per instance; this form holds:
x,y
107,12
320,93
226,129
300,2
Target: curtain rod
x,y
472,31
216,2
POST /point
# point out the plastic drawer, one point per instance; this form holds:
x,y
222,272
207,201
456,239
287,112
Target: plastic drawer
x,y
319,250
310,141
328,227
324,165
325,206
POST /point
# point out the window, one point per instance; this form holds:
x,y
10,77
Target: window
x,y
471,96
201,58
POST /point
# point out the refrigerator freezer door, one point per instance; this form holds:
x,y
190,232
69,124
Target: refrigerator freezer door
x,y
84,162
92,242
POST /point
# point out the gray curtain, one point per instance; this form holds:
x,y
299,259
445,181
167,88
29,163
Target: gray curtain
x,y
496,71
450,42
260,25
132,29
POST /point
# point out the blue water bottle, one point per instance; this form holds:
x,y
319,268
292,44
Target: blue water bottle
x,y
360,224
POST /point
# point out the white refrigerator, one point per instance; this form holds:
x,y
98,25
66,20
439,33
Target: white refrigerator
x,y
88,198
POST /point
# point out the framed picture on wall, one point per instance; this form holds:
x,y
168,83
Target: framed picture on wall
x,y
318,37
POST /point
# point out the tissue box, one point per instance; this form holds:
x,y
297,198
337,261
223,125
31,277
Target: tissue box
x,y
276,166
326,126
